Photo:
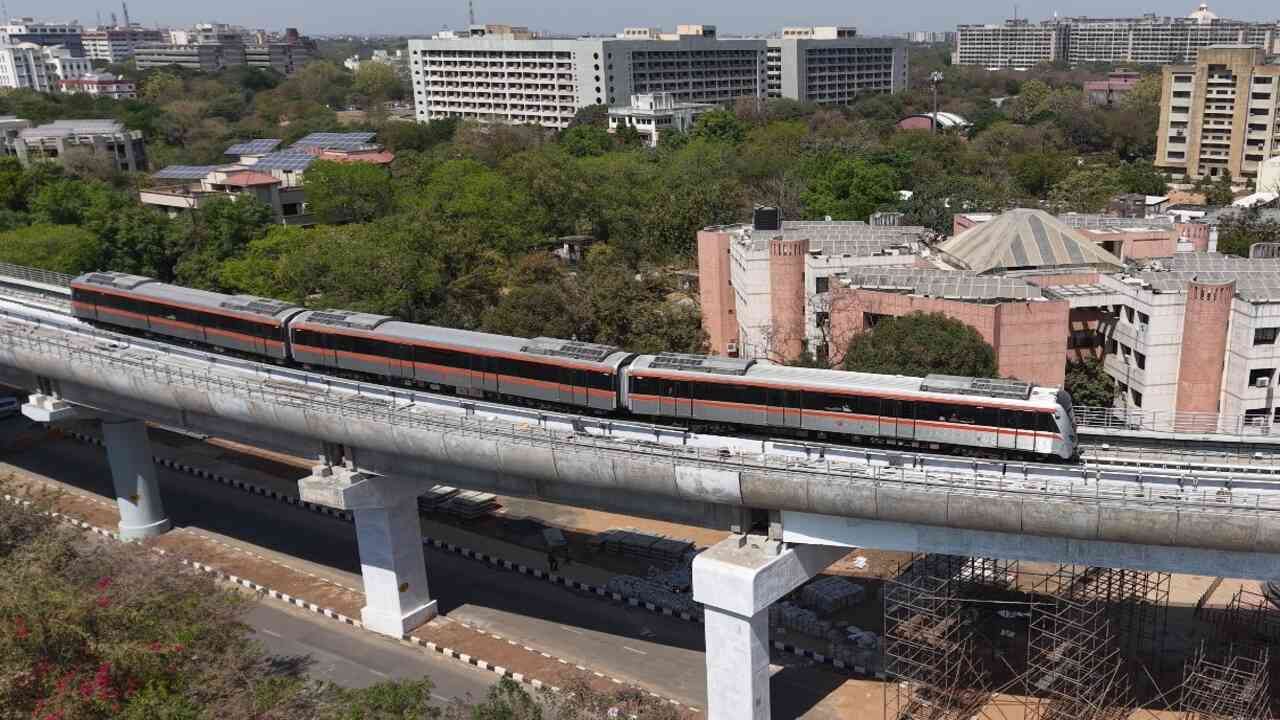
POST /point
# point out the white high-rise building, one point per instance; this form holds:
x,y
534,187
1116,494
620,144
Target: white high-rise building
x,y
23,66
1145,40
499,73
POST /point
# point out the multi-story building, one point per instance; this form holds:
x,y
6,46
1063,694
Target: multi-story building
x,y
23,66
501,74
832,66
116,44
203,57
1111,91
29,30
60,64
654,114
62,138
100,84
926,37
1218,117
282,57
1147,40
1017,44
503,77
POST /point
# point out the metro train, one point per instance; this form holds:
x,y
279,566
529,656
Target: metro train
x,y
971,415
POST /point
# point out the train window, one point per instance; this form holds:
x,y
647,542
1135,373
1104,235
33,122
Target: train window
x,y
1046,423
986,416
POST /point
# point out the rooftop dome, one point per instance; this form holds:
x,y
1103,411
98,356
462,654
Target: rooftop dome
x,y
1203,14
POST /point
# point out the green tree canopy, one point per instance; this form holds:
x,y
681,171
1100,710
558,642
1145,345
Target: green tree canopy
x,y
1238,231
352,191
378,82
1089,384
918,344
719,125
61,248
850,188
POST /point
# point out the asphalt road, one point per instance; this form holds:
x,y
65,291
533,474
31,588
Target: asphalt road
x,y
664,654
346,656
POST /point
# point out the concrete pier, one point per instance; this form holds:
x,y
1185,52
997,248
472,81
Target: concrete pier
x,y
389,536
737,581
134,475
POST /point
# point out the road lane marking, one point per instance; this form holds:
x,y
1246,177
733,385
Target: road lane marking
x,y
271,633
577,632
638,652
379,673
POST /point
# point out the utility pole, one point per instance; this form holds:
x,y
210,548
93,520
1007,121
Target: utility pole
x,y
935,77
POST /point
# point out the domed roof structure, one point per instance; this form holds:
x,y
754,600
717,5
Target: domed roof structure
x,y
1025,239
1203,14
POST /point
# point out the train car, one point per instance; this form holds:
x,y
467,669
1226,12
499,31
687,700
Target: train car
x,y
563,372
1001,416
243,323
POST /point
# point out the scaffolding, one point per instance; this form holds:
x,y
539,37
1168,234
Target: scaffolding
x,y
929,644
1233,688
1075,666
1249,621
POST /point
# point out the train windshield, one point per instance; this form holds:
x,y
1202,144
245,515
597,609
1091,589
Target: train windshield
x,y
1064,399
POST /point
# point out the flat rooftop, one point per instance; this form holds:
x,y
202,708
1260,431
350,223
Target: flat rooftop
x,y
1257,280
946,284
834,237
67,128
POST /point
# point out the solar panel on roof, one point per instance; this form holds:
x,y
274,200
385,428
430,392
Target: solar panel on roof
x,y
986,387
569,349
335,140
257,306
346,318
184,172
286,160
701,363
253,147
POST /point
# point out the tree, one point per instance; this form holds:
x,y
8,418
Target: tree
x,y
402,136
539,300
918,344
1142,178
340,192
719,125
1217,191
1239,230
218,230
1086,190
584,140
60,248
850,188
378,82
1037,172
1089,384
594,115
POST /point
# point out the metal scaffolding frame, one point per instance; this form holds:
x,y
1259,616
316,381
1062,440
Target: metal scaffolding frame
x,y
929,646
1233,688
1075,667
1249,620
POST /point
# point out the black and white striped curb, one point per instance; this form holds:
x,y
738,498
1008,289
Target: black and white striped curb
x,y
491,560
412,640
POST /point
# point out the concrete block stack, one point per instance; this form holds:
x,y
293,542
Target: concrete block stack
x,y
832,594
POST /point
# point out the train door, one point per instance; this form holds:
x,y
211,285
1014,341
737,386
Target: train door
x,y
403,364
667,397
564,385
1007,434
784,407
580,397
1026,431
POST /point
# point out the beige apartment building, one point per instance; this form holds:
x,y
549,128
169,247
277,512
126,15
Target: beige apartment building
x,y
1218,117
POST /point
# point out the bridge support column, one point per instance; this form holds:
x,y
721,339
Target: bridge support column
x,y
389,535
736,581
134,475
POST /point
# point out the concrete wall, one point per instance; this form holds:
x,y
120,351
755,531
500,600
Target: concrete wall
x,y
1197,234
1204,345
715,290
1029,338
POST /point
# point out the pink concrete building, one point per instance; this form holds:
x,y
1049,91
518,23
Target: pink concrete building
x,y
1028,335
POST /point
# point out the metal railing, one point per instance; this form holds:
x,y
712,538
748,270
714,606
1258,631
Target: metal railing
x,y
47,277
1172,421
386,411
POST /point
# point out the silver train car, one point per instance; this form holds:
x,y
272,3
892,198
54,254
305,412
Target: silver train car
x,y
480,364
235,322
995,415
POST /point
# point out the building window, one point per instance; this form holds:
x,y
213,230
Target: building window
x,y
1140,359
1128,314
1265,336
1137,398
1261,377
822,284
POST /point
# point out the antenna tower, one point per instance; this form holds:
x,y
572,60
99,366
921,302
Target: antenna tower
x,y
471,12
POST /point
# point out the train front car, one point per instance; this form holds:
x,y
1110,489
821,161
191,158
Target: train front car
x,y
542,370
992,417
241,323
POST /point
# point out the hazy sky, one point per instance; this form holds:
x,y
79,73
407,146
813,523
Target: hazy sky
x,y
423,16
